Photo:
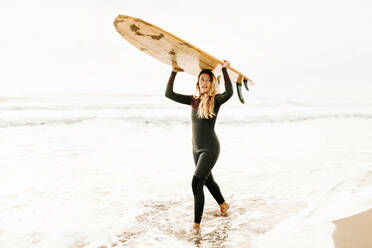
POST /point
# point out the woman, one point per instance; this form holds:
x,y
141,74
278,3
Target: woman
x,y
206,147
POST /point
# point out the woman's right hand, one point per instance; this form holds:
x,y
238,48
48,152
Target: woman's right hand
x,y
177,69
226,64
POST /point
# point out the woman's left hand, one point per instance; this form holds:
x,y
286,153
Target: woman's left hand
x,y
226,64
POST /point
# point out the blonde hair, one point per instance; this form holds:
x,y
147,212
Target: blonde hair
x,y
206,104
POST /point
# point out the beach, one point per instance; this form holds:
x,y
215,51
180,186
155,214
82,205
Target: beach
x,y
116,170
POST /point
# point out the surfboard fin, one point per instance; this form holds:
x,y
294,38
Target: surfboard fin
x,y
239,89
246,84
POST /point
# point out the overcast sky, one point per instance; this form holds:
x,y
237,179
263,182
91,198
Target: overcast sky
x,y
310,48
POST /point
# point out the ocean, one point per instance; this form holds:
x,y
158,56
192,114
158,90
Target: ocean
x,y
115,170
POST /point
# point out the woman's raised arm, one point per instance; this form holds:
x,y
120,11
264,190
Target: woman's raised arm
x,y
185,99
222,98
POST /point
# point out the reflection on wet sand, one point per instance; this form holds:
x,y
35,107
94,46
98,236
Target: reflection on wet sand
x,y
172,220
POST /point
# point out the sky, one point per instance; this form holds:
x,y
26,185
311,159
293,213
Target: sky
x,y
288,48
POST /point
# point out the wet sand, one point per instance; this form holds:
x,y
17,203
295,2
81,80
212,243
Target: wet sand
x,y
354,231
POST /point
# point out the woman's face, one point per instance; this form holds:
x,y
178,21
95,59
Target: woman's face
x,y
205,83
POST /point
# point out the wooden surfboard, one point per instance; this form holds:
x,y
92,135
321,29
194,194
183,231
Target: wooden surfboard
x,y
172,50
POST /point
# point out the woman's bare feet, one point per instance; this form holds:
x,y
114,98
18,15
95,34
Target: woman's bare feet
x,y
223,208
196,226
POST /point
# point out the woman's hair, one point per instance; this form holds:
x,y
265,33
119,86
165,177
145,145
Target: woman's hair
x,y
206,105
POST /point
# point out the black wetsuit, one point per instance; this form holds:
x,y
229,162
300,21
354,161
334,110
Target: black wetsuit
x,y
206,146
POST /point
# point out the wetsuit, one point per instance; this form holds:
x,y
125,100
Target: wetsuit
x,y
206,147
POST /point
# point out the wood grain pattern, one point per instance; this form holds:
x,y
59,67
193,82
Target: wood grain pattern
x,y
170,49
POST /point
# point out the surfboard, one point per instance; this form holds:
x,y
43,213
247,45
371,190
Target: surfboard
x,y
172,50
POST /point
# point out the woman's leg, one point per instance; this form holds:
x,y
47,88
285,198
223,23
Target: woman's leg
x,y
205,163
197,189
212,186
214,189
